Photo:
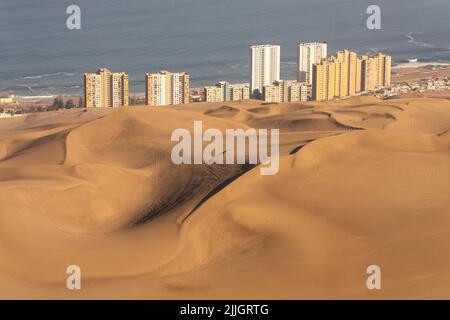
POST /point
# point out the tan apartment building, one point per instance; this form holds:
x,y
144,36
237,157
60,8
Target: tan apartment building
x,y
298,92
346,75
239,92
324,80
224,91
106,89
214,94
286,91
376,71
165,88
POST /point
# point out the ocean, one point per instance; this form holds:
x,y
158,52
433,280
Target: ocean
x,y
208,38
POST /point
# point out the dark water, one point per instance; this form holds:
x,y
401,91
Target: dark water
x,y
207,38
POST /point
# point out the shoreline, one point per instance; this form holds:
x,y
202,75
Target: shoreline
x,y
408,72
31,96
411,65
421,72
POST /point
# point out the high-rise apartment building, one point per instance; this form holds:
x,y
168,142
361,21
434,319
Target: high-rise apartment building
x,y
376,71
386,76
119,89
165,88
358,86
324,80
346,74
335,77
265,67
308,55
106,89
286,91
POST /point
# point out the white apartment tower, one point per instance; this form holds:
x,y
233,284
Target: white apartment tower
x,y
308,55
265,67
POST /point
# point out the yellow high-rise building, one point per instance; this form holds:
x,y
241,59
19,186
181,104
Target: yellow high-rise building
x,y
106,89
332,70
324,79
353,74
342,73
386,63
358,80
165,88
376,72
319,81
346,74
370,73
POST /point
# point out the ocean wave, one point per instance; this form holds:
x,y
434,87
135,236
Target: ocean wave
x,y
28,87
236,66
32,77
47,75
60,87
412,40
37,97
419,64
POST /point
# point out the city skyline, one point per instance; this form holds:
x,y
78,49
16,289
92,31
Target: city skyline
x,y
358,74
347,74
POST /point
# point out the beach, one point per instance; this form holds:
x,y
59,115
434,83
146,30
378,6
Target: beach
x,y
415,73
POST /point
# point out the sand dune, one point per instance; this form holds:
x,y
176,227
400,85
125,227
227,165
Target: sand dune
x,y
361,182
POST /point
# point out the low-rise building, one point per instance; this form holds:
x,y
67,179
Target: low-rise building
x,y
286,91
435,84
224,91
214,94
240,92
6,98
